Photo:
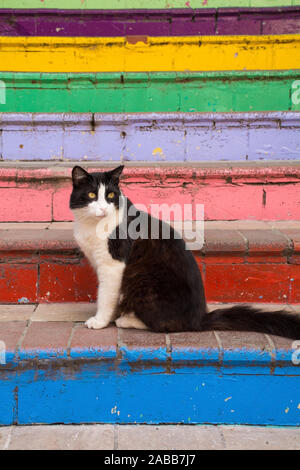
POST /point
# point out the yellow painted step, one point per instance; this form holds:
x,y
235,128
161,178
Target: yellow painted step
x,y
191,53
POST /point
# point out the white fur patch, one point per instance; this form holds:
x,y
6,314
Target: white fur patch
x,y
92,226
130,321
100,207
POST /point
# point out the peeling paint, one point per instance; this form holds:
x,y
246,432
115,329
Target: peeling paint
x,y
158,151
23,300
114,410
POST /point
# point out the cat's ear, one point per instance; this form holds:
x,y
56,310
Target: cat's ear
x,y
116,173
79,175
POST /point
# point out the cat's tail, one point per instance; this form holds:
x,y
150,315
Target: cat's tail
x,y
246,318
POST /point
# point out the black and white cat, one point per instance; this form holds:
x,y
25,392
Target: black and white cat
x,y
149,282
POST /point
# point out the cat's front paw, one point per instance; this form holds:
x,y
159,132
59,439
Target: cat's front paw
x,y
95,323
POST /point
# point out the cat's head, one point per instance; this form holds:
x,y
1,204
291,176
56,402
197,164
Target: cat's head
x,y
96,194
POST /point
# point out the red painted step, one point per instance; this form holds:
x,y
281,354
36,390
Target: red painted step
x,y
241,261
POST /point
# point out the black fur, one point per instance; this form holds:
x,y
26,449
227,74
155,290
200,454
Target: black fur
x,y
162,283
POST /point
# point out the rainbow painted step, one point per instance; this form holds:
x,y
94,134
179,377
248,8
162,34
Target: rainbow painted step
x,y
240,261
76,375
174,22
152,137
150,92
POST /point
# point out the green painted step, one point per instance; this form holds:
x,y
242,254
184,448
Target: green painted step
x,y
141,4
150,92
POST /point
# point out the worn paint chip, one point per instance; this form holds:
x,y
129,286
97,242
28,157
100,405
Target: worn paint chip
x,y
158,151
135,39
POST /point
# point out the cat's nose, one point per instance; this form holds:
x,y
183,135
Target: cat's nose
x,y
101,212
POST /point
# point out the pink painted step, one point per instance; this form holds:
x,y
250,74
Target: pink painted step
x,y
226,191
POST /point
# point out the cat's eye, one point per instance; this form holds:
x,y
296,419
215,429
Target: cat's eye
x,y
111,195
92,195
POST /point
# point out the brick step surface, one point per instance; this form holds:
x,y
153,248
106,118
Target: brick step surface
x,y
240,261
75,375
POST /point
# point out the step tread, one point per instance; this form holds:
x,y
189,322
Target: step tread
x,y
151,437
246,237
56,331
81,311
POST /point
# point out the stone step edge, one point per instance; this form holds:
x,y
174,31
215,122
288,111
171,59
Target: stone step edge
x,y
54,173
88,121
246,238
60,168
66,342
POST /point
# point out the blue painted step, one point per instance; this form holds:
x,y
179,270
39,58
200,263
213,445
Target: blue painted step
x,y
61,372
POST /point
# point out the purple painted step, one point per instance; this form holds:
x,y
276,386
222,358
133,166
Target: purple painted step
x,y
177,22
151,137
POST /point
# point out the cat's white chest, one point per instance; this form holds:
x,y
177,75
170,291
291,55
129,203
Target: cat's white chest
x,y
94,247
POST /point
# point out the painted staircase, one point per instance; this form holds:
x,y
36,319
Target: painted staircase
x,y
200,101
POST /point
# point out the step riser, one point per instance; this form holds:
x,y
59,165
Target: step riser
x,y
109,54
65,277
146,92
158,22
106,393
255,192
151,137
